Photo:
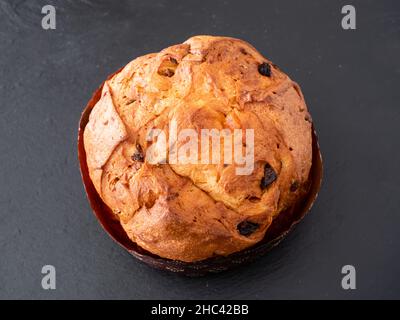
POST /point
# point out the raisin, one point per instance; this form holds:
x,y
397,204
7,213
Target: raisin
x,y
264,69
138,155
246,228
269,176
294,186
167,67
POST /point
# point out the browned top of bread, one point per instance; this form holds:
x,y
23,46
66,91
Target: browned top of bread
x,y
191,212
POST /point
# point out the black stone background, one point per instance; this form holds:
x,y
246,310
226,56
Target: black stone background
x,y
351,83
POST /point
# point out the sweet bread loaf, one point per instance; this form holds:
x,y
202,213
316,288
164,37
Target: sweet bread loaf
x,y
198,210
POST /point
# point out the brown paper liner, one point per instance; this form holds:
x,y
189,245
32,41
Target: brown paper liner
x,y
279,228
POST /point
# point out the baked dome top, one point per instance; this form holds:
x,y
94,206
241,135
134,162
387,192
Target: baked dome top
x,y
191,212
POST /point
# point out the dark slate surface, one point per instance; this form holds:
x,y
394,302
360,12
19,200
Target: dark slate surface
x,y
351,83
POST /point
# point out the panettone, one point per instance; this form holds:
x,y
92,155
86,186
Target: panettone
x,y
194,211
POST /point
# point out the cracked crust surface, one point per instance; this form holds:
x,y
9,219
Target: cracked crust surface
x,y
192,212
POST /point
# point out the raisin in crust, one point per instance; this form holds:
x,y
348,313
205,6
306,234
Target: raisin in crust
x,y
194,212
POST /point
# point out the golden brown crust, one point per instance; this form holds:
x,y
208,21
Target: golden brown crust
x,y
192,212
